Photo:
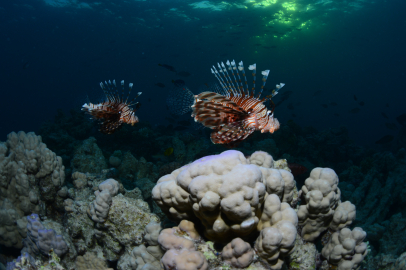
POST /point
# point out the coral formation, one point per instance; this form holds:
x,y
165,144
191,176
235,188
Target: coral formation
x,y
31,178
99,209
90,261
42,240
224,192
238,253
322,207
88,158
346,248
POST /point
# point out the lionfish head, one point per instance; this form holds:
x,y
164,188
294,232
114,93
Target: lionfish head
x,y
133,119
271,125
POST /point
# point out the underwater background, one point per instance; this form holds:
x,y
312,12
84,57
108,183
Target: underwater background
x,y
55,53
343,63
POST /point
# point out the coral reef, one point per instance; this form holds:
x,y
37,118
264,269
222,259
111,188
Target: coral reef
x,y
236,209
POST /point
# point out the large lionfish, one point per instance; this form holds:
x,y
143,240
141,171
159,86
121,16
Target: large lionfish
x,y
237,113
115,111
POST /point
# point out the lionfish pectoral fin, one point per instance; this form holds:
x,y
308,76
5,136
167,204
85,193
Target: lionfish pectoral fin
x,y
214,115
230,133
109,127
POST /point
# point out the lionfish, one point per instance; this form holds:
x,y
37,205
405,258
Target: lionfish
x,y
235,113
114,111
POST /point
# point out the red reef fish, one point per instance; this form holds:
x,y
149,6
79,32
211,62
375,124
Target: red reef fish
x,y
297,169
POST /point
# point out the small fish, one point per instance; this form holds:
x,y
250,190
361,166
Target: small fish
x,y
168,67
160,85
336,114
355,98
391,126
168,151
290,106
183,73
178,83
293,115
324,106
184,123
401,119
355,110
384,115
317,93
385,139
333,104
361,103
387,105
179,128
297,169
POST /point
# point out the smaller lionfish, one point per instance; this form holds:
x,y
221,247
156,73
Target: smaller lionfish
x,y
115,111
235,113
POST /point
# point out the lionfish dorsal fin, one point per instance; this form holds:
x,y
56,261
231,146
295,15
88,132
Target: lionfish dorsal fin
x,y
130,87
265,74
239,83
278,87
253,68
122,90
241,68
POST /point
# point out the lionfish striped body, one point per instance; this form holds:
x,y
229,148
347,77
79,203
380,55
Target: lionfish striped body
x,y
115,111
237,112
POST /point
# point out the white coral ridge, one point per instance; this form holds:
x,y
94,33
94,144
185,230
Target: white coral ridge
x,y
346,248
322,208
99,209
226,193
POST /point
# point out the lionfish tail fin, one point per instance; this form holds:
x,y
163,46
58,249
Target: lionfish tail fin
x,y
214,110
180,100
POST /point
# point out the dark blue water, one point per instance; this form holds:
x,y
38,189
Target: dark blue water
x,y
54,53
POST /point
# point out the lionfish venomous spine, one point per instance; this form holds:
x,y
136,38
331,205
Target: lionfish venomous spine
x,y
115,111
237,113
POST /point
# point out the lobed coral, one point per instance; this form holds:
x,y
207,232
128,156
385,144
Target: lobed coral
x,y
31,179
